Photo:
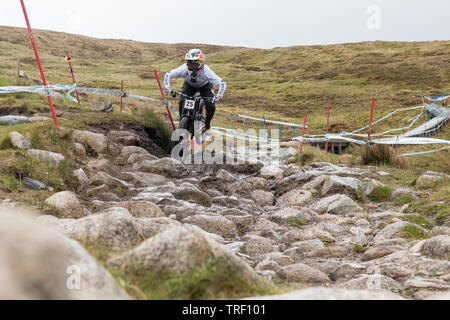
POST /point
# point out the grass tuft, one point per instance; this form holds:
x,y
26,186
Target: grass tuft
x,y
380,155
381,193
212,280
413,232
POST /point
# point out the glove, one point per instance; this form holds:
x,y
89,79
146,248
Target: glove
x,y
216,99
170,92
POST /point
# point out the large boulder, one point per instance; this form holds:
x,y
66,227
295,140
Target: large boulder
x,y
94,141
114,229
67,204
39,264
183,249
54,158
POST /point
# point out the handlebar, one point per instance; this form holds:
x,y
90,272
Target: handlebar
x,y
190,97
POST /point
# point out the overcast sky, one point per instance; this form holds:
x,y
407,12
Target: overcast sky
x,y
249,23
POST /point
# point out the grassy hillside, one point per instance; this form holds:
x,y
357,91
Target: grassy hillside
x,y
281,83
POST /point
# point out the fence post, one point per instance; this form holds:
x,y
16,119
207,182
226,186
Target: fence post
x,y
69,60
121,97
265,128
328,127
164,99
303,131
371,119
41,70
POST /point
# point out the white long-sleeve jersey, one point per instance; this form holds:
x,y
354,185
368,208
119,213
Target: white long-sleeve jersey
x,y
205,76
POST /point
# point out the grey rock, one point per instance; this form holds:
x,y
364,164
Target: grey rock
x,y
103,106
375,253
335,184
182,249
167,167
126,138
19,141
256,246
55,158
336,204
347,271
302,273
295,198
130,150
272,172
333,294
95,141
143,179
67,203
437,247
214,224
225,176
136,158
82,178
263,198
44,262
34,184
372,282
102,178
114,228
14,120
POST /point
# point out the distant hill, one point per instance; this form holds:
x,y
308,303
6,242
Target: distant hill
x,y
281,83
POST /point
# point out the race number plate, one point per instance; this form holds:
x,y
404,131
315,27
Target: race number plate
x,y
189,104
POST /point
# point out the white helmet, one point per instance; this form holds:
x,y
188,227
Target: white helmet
x,y
195,59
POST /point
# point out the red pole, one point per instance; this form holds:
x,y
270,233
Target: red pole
x,y
303,131
328,126
44,81
371,119
164,99
69,60
121,97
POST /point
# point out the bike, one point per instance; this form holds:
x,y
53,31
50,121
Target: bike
x,y
193,113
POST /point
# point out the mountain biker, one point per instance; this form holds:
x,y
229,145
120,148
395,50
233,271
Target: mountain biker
x,y
198,78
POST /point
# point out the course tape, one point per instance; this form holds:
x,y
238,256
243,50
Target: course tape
x,y
72,88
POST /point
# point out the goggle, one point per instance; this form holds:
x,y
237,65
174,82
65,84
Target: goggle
x,y
193,64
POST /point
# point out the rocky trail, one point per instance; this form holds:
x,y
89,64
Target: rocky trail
x,y
310,228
